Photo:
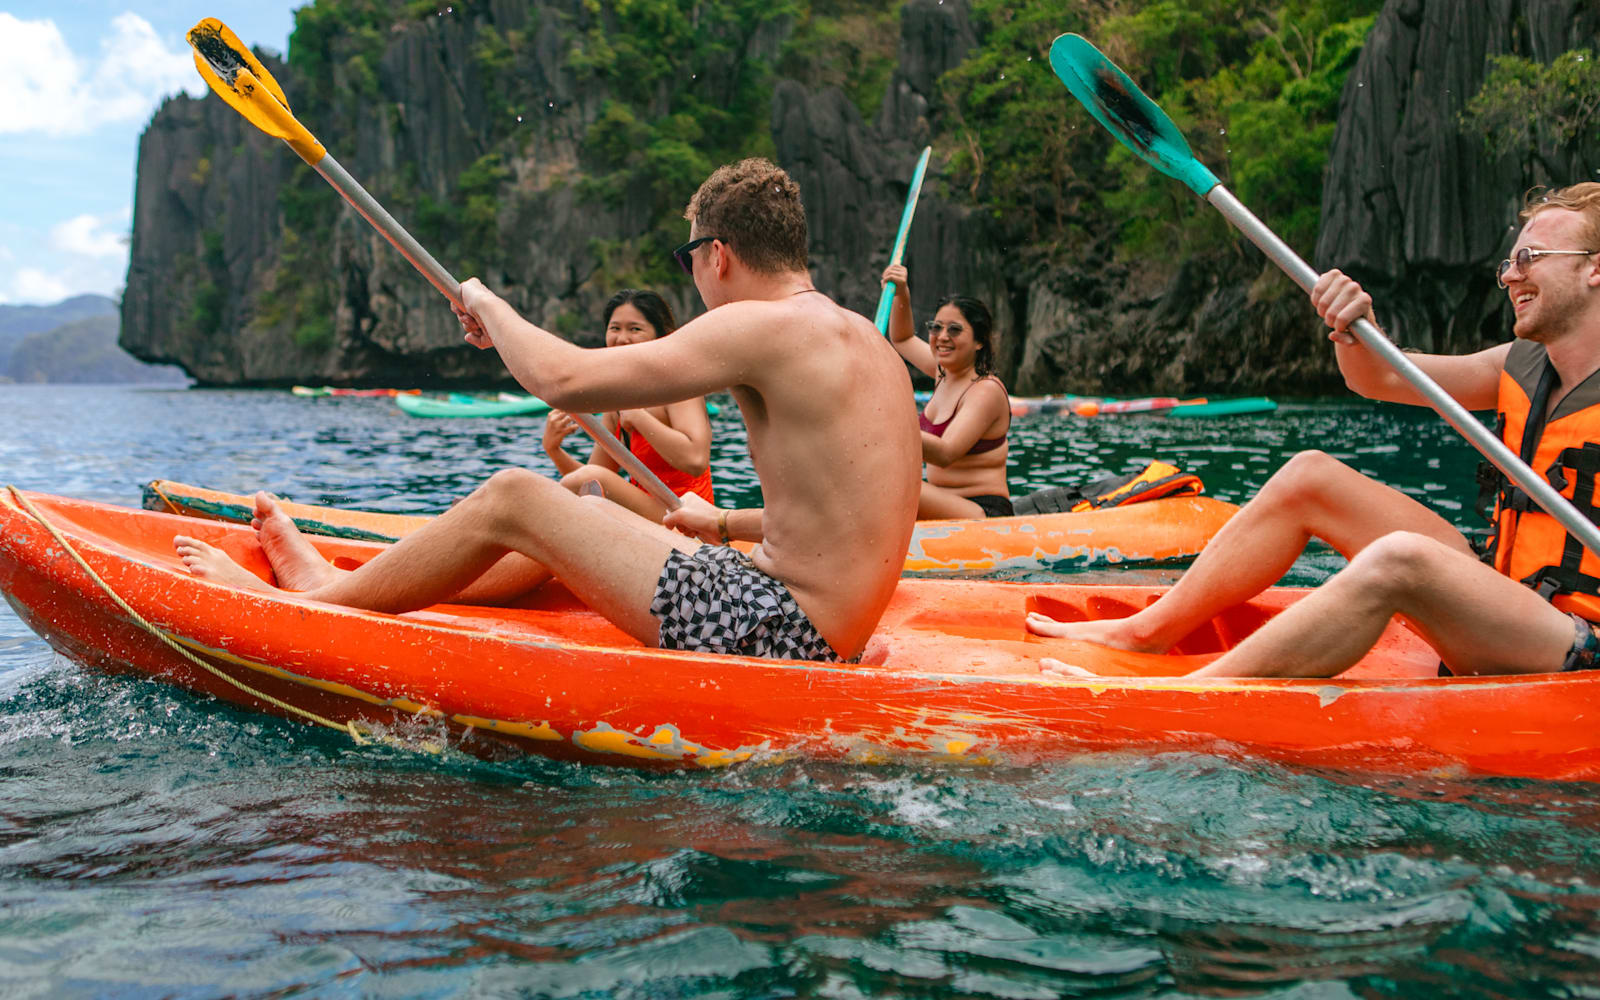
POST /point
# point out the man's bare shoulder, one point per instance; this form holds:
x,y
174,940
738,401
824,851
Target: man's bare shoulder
x,y
811,314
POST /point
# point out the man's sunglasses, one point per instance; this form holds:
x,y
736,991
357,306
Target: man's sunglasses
x,y
682,254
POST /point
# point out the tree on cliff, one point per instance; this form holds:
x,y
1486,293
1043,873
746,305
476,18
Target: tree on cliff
x,y
1535,111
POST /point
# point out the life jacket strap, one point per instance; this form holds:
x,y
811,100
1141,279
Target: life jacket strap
x,y
1568,577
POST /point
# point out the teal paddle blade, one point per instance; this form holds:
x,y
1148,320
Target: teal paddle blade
x,y
1117,103
897,253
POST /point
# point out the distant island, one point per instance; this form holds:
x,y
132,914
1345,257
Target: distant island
x,y
74,340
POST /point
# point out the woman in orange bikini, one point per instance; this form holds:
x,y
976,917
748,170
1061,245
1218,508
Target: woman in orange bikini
x,y
963,449
673,441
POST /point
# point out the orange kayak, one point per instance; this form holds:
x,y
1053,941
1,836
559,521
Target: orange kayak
x,y
1155,531
949,675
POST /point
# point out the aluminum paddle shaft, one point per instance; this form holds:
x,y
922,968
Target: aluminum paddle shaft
x,y
392,231
446,283
234,74
1454,413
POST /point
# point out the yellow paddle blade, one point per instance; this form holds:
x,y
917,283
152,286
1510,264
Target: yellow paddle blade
x,y
233,72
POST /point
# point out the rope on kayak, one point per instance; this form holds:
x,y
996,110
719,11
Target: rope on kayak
x,y
166,637
155,489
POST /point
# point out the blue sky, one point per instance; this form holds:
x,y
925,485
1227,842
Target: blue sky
x,y
79,81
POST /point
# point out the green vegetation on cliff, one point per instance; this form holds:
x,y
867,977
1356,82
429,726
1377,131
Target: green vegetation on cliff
x,y
1254,86
679,86
1525,107
682,87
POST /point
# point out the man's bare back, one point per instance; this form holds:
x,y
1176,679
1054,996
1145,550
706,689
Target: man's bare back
x,y
835,444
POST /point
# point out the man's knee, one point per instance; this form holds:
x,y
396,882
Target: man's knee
x,y
1402,562
513,489
1307,473
577,477
513,480
1315,479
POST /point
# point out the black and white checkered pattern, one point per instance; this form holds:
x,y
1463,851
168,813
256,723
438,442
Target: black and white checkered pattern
x,y
717,601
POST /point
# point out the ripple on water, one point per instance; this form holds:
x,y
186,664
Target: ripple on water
x,y
159,844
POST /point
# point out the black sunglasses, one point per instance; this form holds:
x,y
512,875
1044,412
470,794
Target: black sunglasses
x,y
682,254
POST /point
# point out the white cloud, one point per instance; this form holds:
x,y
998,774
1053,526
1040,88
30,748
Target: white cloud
x,y
86,253
33,285
45,87
90,236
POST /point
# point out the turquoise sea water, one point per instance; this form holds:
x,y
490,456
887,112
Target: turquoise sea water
x,y
155,844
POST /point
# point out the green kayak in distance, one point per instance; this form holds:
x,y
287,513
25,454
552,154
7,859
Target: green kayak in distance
x,y
505,404
459,404
1224,407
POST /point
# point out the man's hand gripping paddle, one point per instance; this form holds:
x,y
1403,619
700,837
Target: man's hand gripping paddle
x,y
237,76
1117,103
886,300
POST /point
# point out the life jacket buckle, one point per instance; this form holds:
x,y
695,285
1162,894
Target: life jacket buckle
x,y
1554,475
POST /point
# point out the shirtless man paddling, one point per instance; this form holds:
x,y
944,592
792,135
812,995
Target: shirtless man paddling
x,y
832,432
1405,559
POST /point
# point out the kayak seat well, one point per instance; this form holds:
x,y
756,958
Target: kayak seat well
x,y
968,623
1218,635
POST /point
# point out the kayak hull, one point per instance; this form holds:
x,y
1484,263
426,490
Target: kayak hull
x,y
433,407
313,391
1153,532
1160,406
949,674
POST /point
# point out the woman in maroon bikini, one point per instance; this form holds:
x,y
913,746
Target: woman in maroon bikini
x,y
964,425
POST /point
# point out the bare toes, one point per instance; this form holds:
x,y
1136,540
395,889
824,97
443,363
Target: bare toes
x,y
1043,624
1060,669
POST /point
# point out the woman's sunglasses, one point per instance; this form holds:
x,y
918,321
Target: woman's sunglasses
x,y
683,254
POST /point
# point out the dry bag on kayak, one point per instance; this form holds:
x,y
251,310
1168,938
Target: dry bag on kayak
x,y
1158,479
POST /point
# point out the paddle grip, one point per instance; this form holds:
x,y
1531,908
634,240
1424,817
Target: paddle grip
x,y
885,303
446,283
1456,415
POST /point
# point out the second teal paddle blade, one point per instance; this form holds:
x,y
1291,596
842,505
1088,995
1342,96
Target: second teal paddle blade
x,y
1117,103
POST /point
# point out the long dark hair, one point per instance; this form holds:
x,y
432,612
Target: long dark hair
x,y
977,316
654,307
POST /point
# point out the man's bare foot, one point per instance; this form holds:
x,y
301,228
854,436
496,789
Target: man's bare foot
x,y
211,563
297,564
1116,633
1055,668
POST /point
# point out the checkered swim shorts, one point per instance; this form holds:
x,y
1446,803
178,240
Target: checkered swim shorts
x,y
717,601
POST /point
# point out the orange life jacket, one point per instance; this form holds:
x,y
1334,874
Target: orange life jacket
x,y
1156,480
1563,445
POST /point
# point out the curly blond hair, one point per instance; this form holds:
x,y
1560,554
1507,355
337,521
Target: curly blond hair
x,y
1583,198
754,207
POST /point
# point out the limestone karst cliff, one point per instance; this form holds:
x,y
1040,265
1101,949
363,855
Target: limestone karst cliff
x,y
531,143
1414,206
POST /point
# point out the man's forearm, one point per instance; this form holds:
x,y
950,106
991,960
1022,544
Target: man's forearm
x,y
744,524
1369,376
534,357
